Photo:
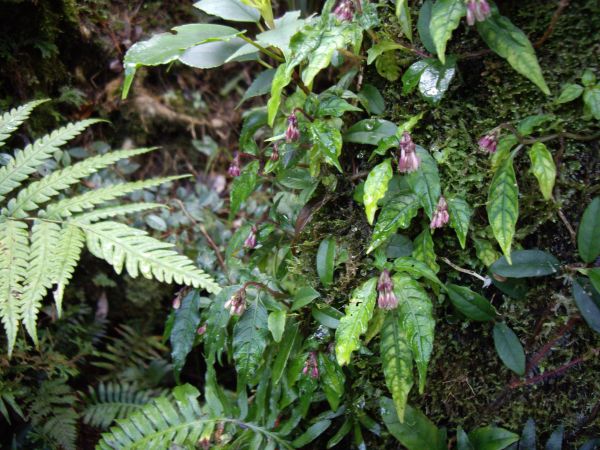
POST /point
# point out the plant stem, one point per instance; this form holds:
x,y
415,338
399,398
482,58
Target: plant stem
x,y
264,287
261,48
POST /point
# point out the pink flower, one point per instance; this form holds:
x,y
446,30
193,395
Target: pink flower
x,y
275,153
386,299
234,168
311,367
489,142
292,133
440,215
250,241
408,160
177,302
237,303
201,330
477,11
344,11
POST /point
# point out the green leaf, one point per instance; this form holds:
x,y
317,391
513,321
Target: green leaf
x,y
332,380
376,187
326,261
370,131
417,432
471,304
416,320
233,10
503,205
388,66
462,440
425,182
555,442
340,434
398,246
380,48
570,92
285,27
424,251
445,18
242,187
533,123
588,306
326,315
313,432
594,275
527,441
416,269
304,296
355,321
423,26
511,43
371,99
436,78
588,78
250,340
403,15
588,234
276,324
260,86
543,167
525,264
291,336
334,106
327,140
460,217
492,438
591,100
396,359
213,54
184,331
283,76
412,75
509,349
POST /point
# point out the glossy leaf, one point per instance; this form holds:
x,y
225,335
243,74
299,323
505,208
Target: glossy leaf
x,y
425,182
416,269
326,315
396,359
355,321
543,167
412,75
378,49
333,106
327,141
492,438
213,53
460,217
340,434
509,348
416,320
398,213
436,78
370,131
588,306
276,324
183,333
570,92
326,261
445,18
423,250
250,336
471,304
503,206
332,380
511,43
525,264
376,186
242,187
588,234
403,15
233,10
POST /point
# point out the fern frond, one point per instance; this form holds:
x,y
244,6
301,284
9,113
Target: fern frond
x,y
41,191
28,160
11,120
120,245
112,401
68,249
91,199
113,211
14,255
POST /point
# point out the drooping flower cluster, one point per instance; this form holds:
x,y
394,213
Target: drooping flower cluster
x,y
489,142
477,11
311,367
408,160
275,153
440,215
250,241
344,11
234,168
386,299
292,133
237,303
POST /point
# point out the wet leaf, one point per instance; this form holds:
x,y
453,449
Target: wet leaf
x,y
423,250
370,131
471,304
423,26
327,140
250,336
436,78
445,18
313,432
425,182
371,99
403,15
332,380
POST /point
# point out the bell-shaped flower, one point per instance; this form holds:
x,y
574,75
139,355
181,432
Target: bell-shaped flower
x,y
440,215
386,299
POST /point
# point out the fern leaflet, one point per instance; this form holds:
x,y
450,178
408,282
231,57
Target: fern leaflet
x,y
10,120
113,211
68,248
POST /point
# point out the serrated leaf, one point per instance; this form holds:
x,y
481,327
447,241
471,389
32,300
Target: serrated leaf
x,y
242,187
425,182
526,263
492,437
509,348
184,331
543,167
376,187
588,234
445,18
471,304
570,92
355,321
415,312
423,250
250,341
327,140
276,323
326,261
232,10
403,15
511,43
460,217
503,206
587,305
396,359
332,380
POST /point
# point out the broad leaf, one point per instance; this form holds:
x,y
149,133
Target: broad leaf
x,y
250,340
471,304
543,167
511,43
412,75
242,187
276,324
534,123
555,441
416,269
436,78
183,333
395,214
304,296
380,48
503,205
403,15
425,182
591,101
569,93
462,440
492,438
509,348
371,99
291,336
423,26
327,140
423,250
326,261
588,306
445,18
260,86
396,359
332,380
355,321
526,263
370,131
233,10
376,187
460,217
588,235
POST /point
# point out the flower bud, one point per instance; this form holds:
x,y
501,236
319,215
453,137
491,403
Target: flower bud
x,y
250,241
201,330
477,11
177,302
275,153
386,299
489,142
292,133
408,160
311,367
237,303
344,11
234,168
440,215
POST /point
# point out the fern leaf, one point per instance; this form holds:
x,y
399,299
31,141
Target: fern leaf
x,y
11,120
28,160
113,211
120,245
68,249
41,191
14,254
91,199
44,240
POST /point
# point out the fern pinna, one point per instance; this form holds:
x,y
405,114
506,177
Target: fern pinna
x,y
41,237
